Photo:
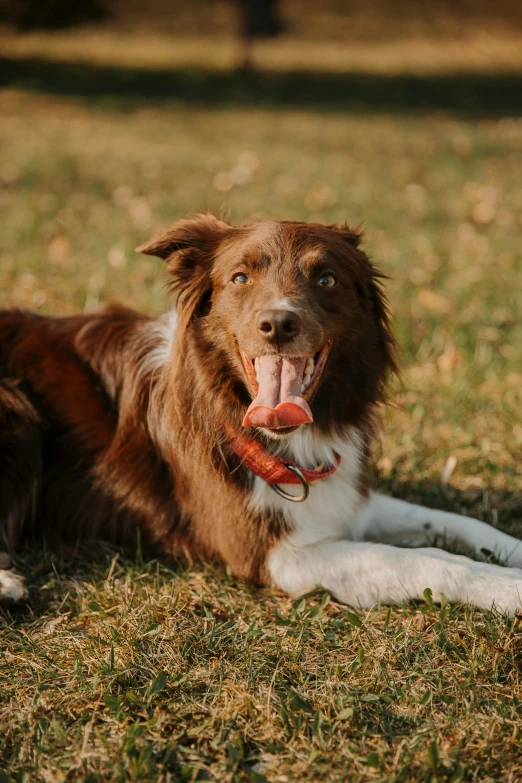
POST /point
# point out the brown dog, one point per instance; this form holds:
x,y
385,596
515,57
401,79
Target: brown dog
x,y
236,427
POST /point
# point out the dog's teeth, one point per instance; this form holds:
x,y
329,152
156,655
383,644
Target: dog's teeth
x,y
307,378
303,388
310,366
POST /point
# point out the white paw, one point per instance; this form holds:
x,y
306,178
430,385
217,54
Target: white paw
x,y
12,587
497,587
515,558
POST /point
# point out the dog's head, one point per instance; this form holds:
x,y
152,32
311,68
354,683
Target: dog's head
x,y
293,313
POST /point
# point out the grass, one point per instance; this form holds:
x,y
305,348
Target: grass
x,y
135,672
123,670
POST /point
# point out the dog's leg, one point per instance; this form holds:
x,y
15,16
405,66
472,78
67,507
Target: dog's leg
x,y
364,574
392,521
20,473
12,587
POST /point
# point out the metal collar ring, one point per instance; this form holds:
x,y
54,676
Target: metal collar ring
x,y
287,495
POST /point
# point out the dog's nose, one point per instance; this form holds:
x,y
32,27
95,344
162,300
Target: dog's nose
x,y
279,326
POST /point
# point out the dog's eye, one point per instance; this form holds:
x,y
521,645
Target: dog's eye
x,y
240,279
327,280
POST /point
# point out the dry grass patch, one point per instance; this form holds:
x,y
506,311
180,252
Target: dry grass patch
x,y
133,671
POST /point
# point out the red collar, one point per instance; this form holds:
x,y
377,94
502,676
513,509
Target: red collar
x,y
273,469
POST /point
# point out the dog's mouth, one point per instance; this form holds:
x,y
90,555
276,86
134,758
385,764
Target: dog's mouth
x,y
281,387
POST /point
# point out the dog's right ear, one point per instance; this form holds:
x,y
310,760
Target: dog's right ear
x,y
188,248
198,233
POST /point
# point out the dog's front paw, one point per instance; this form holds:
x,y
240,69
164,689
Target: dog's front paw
x,y
12,587
515,558
498,588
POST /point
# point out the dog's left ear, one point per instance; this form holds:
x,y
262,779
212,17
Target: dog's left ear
x,y
371,295
188,247
366,276
352,236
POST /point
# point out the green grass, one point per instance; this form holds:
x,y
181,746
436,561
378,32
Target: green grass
x,y
131,671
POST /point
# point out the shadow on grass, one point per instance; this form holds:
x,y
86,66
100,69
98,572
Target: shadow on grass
x,y
54,573
51,578
465,94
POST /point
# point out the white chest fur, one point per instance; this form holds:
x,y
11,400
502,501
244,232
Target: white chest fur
x,y
333,506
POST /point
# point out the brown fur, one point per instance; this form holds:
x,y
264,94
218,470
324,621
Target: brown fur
x,y
98,439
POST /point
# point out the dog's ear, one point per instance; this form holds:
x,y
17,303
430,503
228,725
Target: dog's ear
x,y
366,277
352,236
188,247
368,284
198,233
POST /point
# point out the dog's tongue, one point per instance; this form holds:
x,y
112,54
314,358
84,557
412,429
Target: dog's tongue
x,y
279,402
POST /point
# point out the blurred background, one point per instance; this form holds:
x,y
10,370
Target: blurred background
x,y
406,116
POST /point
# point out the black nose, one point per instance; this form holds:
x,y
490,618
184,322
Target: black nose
x,y
279,326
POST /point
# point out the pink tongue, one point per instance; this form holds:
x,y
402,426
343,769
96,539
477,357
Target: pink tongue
x,y
279,402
